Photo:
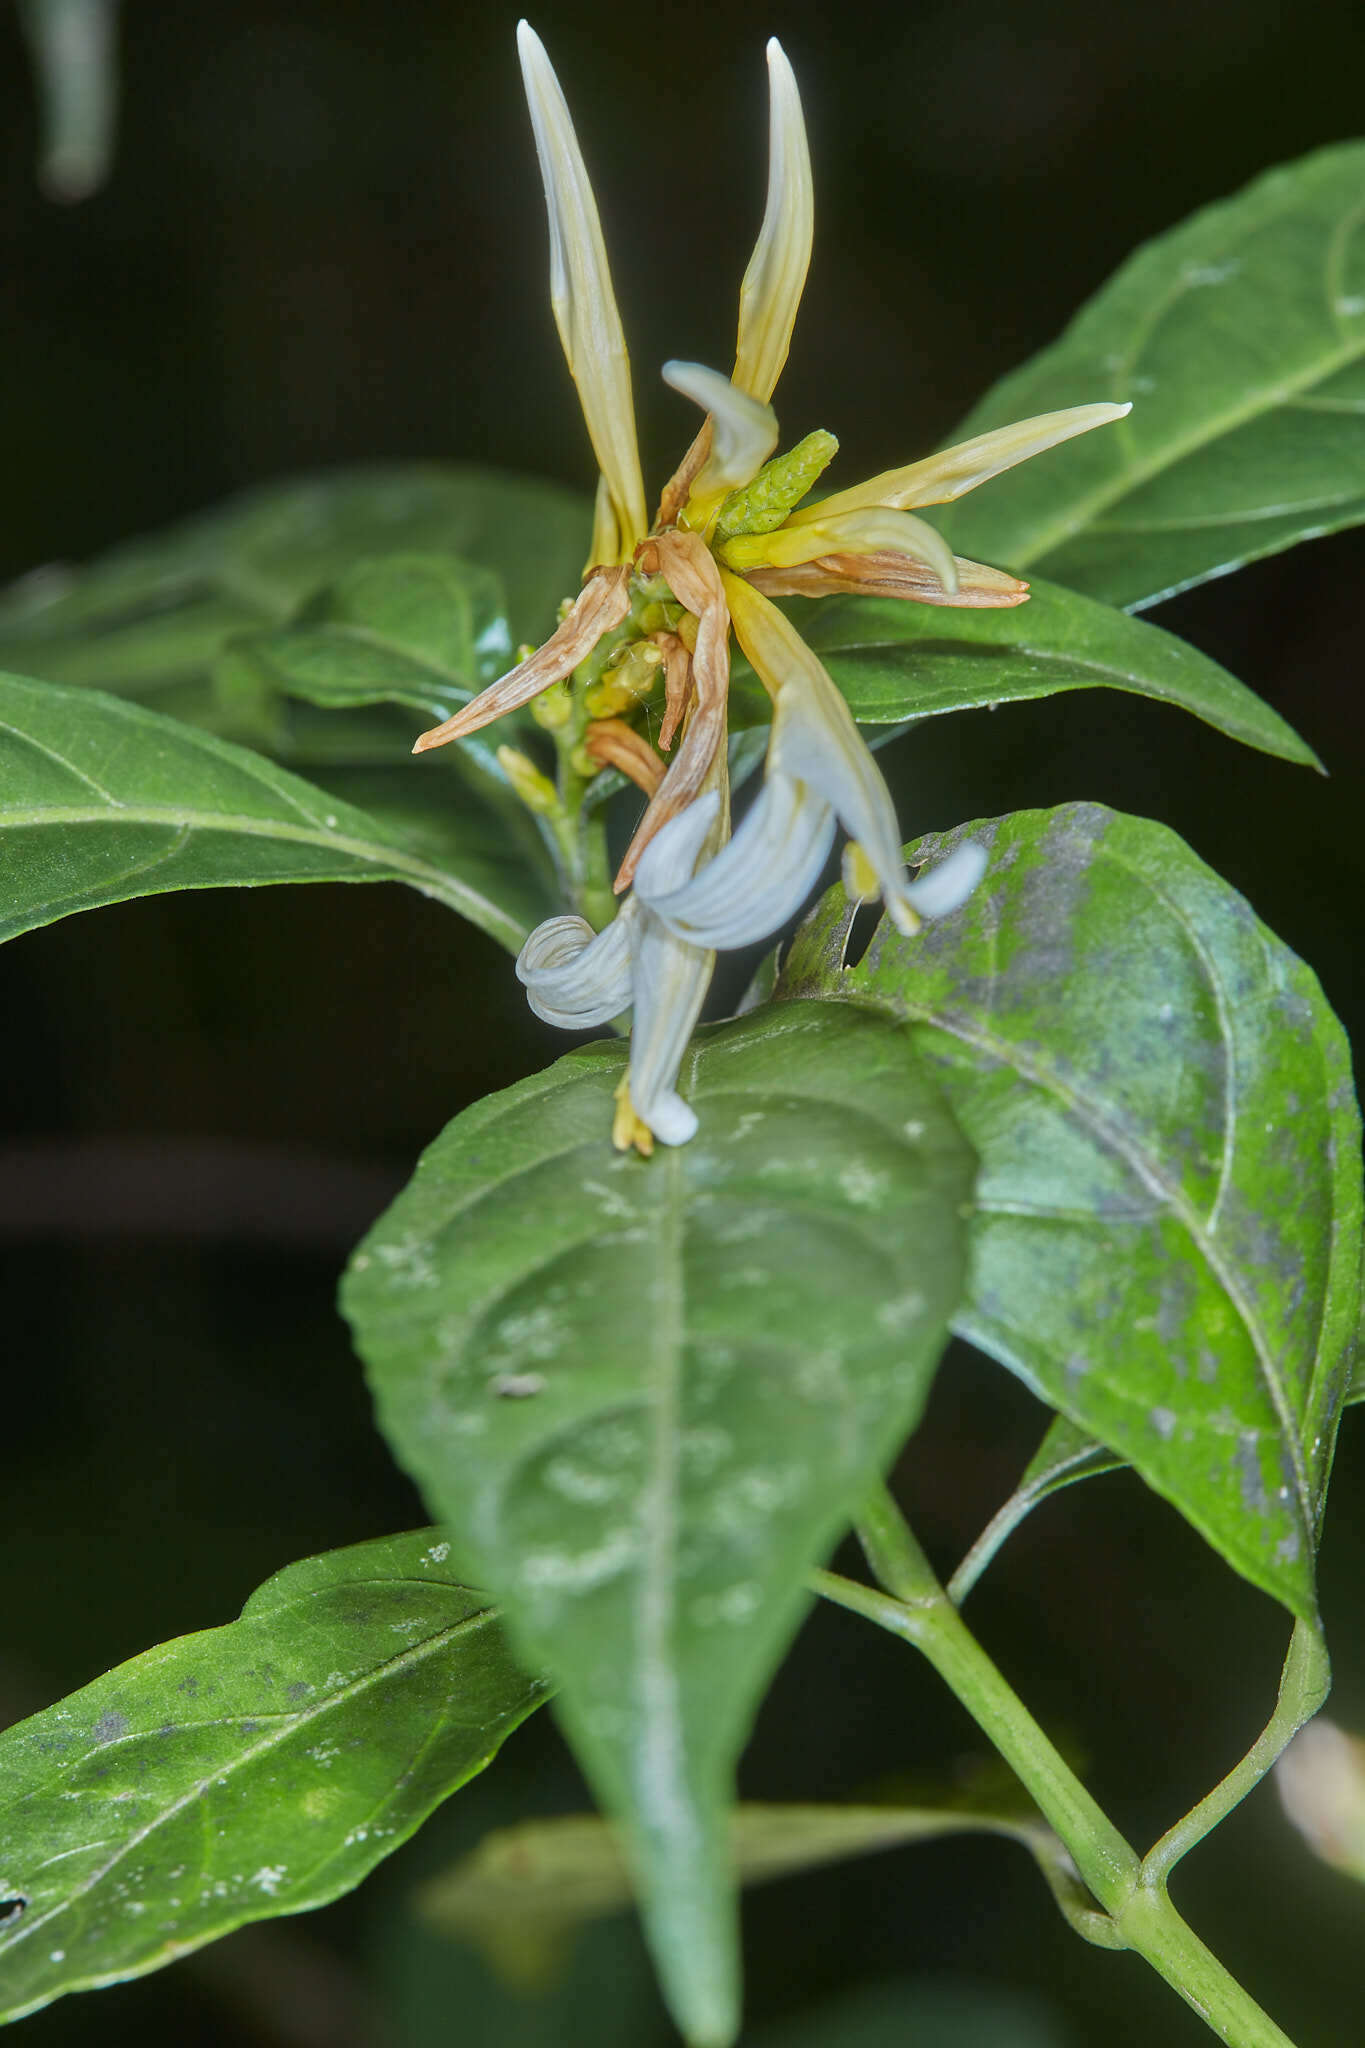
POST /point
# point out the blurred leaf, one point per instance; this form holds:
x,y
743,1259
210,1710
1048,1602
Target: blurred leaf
x,y
635,1390
76,60
525,1891
1240,338
101,801
897,662
1066,1454
248,1771
422,630
923,2013
160,609
1167,1237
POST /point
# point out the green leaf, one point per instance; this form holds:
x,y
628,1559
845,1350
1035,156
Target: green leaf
x,y
422,630
159,610
1167,1240
523,1893
899,662
1065,1456
247,1771
102,800
648,1394
1240,338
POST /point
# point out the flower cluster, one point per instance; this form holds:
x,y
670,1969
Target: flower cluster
x,y
660,598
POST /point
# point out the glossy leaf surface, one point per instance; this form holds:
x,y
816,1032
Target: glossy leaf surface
x,y
1240,339
101,800
898,662
424,631
159,610
247,1771
637,1392
1167,1237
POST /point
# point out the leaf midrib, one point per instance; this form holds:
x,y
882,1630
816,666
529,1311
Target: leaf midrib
x,y
1266,399
1150,1174
394,1666
399,866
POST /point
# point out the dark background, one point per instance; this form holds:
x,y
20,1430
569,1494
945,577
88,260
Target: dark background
x,y
323,242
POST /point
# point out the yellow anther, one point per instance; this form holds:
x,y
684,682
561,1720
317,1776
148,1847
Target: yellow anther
x,y
627,1131
860,877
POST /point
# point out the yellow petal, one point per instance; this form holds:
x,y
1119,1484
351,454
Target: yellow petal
x,y
771,291
940,478
582,296
874,531
743,429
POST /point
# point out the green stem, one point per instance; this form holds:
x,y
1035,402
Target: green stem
x,y
917,1609
1304,1684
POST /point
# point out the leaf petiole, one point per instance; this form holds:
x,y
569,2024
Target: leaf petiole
x,y
1131,1894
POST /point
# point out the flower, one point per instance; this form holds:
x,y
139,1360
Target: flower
x,y
733,530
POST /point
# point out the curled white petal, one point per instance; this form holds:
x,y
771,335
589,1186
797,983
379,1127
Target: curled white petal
x,y
946,887
759,880
743,429
776,276
581,293
575,977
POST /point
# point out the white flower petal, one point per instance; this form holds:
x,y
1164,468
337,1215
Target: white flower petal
x,y
671,980
743,430
759,880
575,977
773,283
946,887
815,741
582,295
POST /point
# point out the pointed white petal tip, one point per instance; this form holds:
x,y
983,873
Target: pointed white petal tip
x,y
529,45
946,887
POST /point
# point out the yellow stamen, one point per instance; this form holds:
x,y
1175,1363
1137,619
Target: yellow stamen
x,y
627,1130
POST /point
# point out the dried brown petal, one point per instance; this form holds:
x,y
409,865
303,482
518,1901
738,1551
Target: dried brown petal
x,y
889,575
614,744
687,564
677,684
601,604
